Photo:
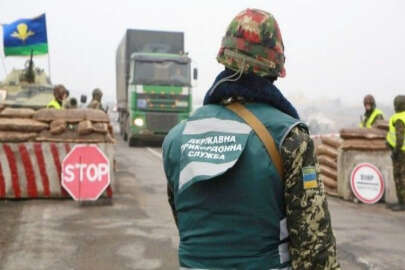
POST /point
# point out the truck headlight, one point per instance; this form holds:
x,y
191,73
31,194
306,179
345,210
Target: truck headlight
x,y
138,122
181,103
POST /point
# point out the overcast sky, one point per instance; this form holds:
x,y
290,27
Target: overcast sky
x,y
336,49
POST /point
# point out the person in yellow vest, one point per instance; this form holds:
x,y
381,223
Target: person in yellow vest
x,y
59,94
395,139
372,114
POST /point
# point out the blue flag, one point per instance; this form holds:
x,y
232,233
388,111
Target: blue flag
x,y
24,35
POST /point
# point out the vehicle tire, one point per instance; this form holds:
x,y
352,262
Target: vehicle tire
x,y
132,142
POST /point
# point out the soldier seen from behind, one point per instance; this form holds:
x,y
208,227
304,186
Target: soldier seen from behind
x,y
243,179
396,141
59,94
371,114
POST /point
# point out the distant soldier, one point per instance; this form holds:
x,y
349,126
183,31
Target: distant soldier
x,y
371,114
395,139
95,103
59,94
71,103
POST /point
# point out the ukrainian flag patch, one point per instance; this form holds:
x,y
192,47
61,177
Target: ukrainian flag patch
x,y
309,176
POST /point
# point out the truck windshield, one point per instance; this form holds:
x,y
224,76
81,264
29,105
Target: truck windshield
x,y
162,73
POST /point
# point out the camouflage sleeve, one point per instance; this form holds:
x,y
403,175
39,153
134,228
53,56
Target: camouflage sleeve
x,y
399,132
312,243
94,104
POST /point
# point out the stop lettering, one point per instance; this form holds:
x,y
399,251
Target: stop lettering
x,y
85,172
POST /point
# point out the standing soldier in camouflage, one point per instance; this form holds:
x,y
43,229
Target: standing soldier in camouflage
x,y
95,103
242,200
396,141
371,114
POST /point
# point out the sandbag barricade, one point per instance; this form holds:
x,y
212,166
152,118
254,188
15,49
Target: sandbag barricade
x,y
33,145
365,145
327,154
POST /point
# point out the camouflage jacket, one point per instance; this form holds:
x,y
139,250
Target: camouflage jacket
x,y
312,243
95,104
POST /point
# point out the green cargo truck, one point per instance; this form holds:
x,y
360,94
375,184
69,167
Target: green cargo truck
x,y
153,84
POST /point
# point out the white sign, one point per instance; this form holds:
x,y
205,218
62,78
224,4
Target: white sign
x,y
367,183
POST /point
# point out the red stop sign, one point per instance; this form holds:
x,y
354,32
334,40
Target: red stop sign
x,y
85,172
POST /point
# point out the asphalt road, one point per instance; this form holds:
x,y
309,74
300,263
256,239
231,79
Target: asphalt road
x,y
137,231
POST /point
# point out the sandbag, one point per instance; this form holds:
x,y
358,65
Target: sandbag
x,y
364,145
329,172
335,143
328,182
12,136
100,127
22,125
17,113
58,126
96,115
327,161
362,133
71,115
382,124
109,138
327,151
331,191
71,136
85,127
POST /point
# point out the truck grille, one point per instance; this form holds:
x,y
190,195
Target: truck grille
x,y
161,122
164,101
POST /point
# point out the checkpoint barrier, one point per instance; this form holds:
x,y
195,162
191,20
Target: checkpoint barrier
x,y
33,170
365,147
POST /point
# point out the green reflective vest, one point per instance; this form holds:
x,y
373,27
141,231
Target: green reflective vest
x,y
54,104
228,195
391,136
369,124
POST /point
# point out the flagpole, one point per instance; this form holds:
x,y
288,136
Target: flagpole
x,y
4,66
3,58
49,64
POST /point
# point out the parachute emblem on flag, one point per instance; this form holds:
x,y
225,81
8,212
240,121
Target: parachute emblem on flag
x,y
22,32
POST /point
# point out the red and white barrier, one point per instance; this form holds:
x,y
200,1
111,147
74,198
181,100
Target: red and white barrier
x,y
33,170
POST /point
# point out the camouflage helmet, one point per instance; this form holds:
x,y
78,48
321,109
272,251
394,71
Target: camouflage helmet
x,y
253,43
399,103
97,92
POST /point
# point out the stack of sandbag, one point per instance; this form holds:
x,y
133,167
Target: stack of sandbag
x,y
50,125
17,125
382,124
364,139
327,153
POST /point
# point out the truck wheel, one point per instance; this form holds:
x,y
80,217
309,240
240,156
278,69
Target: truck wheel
x,y
132,142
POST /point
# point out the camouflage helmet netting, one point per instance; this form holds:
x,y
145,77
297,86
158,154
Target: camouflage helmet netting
x,y
253,40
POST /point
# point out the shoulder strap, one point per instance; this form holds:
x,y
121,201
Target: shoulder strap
x,y
261,131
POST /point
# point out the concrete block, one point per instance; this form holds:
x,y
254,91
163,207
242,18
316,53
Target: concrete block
x,y
348,159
